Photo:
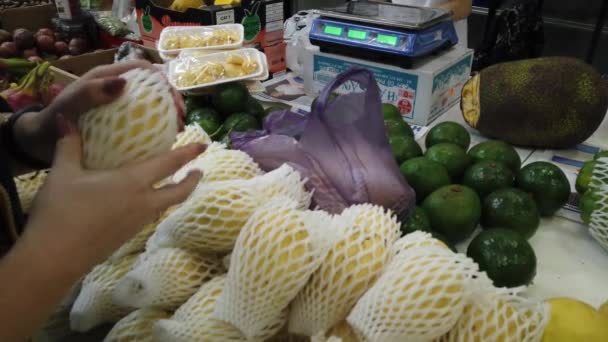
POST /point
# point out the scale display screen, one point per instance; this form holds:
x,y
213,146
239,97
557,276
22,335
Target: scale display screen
x,y
333,30
357,34
387,39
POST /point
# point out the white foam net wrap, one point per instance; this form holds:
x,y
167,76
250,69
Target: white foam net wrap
x,y
416,240
193,321
137,326
28,186
192,134
221,165
165,278
140,124
501,317
137,244
94,304
275,254
341,332
211,220
351,266
419,297
598,227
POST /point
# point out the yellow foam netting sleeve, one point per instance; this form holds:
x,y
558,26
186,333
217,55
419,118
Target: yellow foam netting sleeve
x,y
137,326
274,256
94,304
193,321
211,220
165,278
419,297
28,186
350,268
140,124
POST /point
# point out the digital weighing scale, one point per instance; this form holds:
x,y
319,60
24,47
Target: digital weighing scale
x,y
383,32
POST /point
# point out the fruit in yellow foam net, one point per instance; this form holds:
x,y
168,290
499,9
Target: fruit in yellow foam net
x,y
140,124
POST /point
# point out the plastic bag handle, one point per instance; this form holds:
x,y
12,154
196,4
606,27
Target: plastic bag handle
x,y
364,77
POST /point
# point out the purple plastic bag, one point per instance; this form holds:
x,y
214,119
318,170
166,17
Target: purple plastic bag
x,y
342,148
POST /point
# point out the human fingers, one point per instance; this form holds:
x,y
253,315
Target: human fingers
x,y
163,166
173,194
116,69
90,94
68,151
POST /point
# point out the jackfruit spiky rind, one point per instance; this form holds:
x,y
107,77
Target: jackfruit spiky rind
x,y
553,102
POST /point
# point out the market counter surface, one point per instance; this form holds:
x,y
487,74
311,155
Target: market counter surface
x,y
570,262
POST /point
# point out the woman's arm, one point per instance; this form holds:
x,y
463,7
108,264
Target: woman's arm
x,y
69,232
36,275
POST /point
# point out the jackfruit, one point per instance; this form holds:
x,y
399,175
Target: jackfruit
x,y
552,102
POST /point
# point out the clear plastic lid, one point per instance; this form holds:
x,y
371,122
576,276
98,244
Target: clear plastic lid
x,y
197,72
174,39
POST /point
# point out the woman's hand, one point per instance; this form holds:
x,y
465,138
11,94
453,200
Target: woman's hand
x,y
36,132
100,210
78,219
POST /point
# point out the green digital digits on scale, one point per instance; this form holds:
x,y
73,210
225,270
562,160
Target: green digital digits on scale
x,y
333,30
386,39
356,34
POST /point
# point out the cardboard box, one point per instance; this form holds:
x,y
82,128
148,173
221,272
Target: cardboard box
x,y
154,15
79,65
422,93
263,21
31,18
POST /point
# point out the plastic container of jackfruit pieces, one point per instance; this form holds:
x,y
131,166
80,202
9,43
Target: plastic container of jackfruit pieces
x,y
195,73
174,39
200,53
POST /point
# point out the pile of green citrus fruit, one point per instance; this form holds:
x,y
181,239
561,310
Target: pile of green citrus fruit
x,y
459,187
230,108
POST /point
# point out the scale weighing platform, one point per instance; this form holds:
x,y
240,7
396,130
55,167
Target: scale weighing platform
x,y
383,32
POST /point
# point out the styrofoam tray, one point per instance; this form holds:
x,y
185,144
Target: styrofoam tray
x,y
201,31
181,65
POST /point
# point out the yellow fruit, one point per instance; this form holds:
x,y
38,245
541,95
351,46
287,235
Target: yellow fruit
x,y
28,186
572,320
94,304
275,254
500,318
342,332
352,265
137,326
142,123
419,297
183,5
604,309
